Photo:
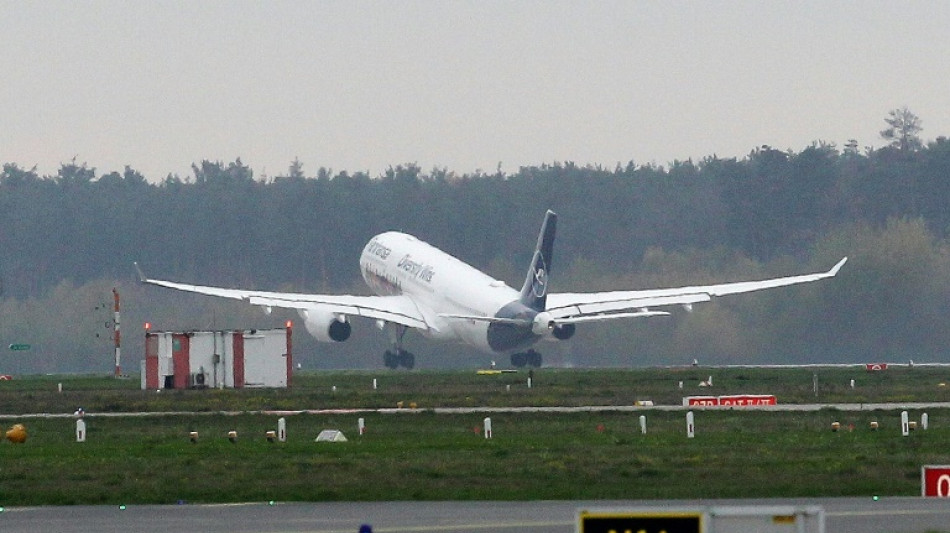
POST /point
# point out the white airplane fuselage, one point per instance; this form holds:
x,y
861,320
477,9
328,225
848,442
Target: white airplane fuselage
x,y
439,284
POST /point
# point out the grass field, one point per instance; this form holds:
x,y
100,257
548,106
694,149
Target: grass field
x,y
427,456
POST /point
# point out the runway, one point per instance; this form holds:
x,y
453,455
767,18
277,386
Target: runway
x,y
489,410
842,515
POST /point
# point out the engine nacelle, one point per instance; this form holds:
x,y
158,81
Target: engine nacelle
x,y
563,332
326,326
542,324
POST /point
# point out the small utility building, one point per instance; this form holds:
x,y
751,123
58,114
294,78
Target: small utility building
x,y
217,359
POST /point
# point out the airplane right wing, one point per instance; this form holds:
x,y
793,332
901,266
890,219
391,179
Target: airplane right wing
x,y
398,309
568,308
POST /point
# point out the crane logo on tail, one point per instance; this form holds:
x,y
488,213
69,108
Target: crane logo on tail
x,y
540,285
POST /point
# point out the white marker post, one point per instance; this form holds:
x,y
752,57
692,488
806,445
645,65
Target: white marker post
x,y
282,429
905,424
690,425
374,383
643,424
924,421
80,430
361,426
487,423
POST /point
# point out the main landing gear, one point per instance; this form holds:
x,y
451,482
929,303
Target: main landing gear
x,y
521,359
396,356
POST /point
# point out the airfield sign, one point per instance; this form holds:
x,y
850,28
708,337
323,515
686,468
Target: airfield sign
x,y
19,347
935,481
661,519
646,521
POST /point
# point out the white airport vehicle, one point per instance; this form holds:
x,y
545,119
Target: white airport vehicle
x,y
420,287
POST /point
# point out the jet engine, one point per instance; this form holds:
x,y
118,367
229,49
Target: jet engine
x,y
544,323
325,325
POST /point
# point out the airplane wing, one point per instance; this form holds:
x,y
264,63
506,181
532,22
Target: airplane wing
x,y
398,309
568,308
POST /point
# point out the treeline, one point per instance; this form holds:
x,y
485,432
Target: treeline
x,y
634,226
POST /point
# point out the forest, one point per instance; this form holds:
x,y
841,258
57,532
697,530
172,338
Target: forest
x,y
66,240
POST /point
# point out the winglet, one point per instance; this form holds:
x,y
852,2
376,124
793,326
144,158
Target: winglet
x,y
834,270
141,274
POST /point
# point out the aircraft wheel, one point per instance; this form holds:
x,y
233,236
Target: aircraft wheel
x,y
391,360
407,359
533,358
519,359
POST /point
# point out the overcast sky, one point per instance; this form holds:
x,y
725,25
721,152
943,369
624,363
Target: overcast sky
x,y
361,86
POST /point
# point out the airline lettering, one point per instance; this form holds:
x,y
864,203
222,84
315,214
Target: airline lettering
x,y
380,251
419,271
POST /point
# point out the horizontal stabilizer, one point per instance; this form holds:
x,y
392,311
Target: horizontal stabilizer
x,y
490,319
609,316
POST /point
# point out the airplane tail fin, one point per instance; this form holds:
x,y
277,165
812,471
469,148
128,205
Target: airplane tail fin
x,y
535,290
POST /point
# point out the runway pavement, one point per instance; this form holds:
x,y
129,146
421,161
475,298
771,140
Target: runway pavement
x,y
842,515
489,410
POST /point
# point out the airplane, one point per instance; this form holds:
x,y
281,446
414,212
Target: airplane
x,y
419,287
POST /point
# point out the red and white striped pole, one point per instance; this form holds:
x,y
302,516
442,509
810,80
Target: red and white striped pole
x,y
115,321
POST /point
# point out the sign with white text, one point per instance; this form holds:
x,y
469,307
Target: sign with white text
x,y
935,481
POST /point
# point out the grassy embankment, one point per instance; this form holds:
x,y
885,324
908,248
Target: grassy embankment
x,y
427,456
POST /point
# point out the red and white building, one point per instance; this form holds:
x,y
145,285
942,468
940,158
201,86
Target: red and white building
x,y
217,359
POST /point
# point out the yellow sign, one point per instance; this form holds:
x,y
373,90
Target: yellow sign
x,y
649,522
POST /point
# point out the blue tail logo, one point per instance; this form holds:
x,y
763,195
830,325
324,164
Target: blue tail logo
x,y
540,285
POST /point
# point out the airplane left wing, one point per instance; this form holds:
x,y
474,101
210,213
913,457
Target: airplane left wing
x,y
567,308
399,309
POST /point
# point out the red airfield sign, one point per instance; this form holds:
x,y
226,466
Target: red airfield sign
x,y
935,481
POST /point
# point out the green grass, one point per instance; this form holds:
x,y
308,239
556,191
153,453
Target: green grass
x,y
553,387
427,456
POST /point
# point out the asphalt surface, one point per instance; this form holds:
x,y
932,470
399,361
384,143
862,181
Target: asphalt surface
x,y
842,515
489,410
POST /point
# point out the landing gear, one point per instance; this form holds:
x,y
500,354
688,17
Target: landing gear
x,y
396,356
521,359
395,359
